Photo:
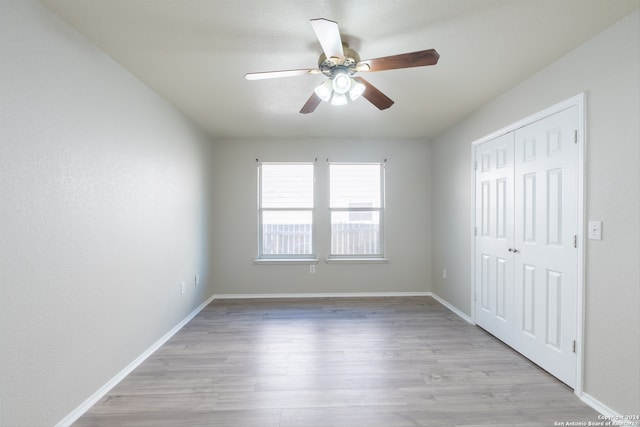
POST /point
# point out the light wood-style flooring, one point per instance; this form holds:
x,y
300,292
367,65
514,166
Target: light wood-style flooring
x,y
347,362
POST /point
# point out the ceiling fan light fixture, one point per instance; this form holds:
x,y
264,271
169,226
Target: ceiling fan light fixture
x,y
339,99
324,91
341,81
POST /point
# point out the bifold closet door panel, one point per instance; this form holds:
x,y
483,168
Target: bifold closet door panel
x,y
545,264
494,237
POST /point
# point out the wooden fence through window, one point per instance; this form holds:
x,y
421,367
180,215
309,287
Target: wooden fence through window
x,y
346,239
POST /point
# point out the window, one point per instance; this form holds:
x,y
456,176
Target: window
x,y
356,206
285,210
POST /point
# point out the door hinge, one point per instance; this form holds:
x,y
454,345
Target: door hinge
x,y
475,165
575,241
575,136
574,346
475,231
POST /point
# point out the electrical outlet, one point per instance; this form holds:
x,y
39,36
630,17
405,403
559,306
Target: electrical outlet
x,y
444,273
183,288
312,268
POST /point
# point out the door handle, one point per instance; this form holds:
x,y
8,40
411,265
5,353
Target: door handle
x,y
515,251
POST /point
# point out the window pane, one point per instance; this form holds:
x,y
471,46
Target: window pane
x,y
287,186
354,186
355,237
286,232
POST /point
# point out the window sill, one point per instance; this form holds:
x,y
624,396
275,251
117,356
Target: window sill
x,y
286,261
357,260
294,261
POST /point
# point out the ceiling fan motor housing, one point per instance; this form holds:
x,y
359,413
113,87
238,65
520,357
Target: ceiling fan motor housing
x,y
328,65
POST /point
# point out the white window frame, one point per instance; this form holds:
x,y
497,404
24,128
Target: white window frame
x,y
261,256
380,210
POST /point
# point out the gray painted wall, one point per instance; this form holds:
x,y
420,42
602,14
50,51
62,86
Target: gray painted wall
x,y
102,188
607,68
234,218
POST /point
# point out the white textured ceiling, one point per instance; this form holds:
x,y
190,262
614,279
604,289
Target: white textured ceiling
x,y
195,53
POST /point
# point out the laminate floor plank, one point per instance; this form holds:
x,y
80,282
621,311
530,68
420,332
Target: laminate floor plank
x,y
370,362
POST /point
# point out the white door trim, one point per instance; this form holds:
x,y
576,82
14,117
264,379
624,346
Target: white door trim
x,y
579,102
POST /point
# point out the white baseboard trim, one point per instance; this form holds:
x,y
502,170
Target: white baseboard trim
x,y
102,391
452,308
607,413
324,295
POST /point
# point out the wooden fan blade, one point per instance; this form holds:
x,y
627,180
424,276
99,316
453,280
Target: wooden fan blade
x,y
404,60
328,35
374,96
282,73
311,104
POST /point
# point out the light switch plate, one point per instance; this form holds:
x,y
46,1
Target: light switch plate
x,y
595,230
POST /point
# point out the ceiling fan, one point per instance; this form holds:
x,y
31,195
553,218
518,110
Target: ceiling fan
x,y
340,63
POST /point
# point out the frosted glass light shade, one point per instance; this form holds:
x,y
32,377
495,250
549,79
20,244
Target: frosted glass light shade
x,y
339,99
357,89
341,82
324,91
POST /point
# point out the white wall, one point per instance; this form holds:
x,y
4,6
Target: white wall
x,y
234,220
607,68
102,216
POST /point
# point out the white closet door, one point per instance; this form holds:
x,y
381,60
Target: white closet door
x,y
545,264
494,237
526,262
